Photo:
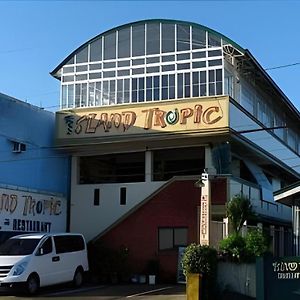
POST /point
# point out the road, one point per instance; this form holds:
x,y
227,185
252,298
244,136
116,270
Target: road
x,y
113,292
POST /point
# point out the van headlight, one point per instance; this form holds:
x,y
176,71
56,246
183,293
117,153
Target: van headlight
x,y
19,268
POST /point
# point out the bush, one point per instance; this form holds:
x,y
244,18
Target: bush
x,y
233,248
203,260
257,243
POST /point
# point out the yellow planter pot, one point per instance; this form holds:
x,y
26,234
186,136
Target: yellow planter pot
x,y
193,286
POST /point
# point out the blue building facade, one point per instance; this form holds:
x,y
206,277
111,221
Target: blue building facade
x,y
28,158
34,180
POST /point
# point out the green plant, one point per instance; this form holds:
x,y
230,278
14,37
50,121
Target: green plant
x,y
201,259
238,210
256,243
233,248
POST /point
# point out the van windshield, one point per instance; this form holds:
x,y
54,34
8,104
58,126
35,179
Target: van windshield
x,y
15,246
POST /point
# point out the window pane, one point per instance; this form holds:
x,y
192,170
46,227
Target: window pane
x,y
153,39
183,37
168,38
124,43
165,238
180,236
82,56
199,38
213,40
96,50
138,40
71,95
110,46
112,168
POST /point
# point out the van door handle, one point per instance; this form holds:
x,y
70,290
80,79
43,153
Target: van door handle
x,y
55,258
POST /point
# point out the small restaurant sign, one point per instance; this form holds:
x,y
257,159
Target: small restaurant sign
x,y
22,211
191,115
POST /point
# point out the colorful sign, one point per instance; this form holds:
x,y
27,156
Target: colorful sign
x,y
31,212
184,116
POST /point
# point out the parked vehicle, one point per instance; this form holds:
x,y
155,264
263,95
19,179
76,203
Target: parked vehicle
x,y
38,260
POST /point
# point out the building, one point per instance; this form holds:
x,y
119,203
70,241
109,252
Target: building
x,y
34,176
145,108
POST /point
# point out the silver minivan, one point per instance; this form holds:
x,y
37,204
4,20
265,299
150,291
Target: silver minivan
x,y
37,260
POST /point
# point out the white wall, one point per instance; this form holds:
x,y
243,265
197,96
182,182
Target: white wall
x,y
91,220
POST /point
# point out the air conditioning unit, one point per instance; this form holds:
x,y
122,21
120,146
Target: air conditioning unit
x,y
18,147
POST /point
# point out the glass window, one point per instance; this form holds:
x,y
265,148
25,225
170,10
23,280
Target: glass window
x,y
156,87
168,58
124,63
110,46
213,40
187,85
198,38
112,92
165,238
168,38
47,246
98,93
180,86
126,91
96,50
112,168
168,68
152,60
153,34
183,37
95,67
82,56
171,238
81,68
170,163
183,56
138,40
95,75
124,43
18,246
70,95
141,90
64,96
68,70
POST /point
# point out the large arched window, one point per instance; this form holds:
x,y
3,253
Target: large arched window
x,y
144,61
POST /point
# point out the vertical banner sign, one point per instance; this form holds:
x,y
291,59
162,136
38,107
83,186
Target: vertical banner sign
x,y
205,210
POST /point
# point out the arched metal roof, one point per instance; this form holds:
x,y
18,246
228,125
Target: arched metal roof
x,y
54,72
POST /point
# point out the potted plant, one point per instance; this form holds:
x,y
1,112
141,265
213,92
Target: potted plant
x,y
199,264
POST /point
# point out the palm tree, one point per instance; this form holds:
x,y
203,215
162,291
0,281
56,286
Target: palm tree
x,y
238,210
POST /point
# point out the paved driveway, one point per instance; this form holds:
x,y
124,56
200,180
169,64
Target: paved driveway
x,y
113,292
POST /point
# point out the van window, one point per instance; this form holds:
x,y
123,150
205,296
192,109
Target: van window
x,y
68,243
15,246
47,246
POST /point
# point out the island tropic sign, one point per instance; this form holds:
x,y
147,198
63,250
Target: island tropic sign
x,y
193,115
31,212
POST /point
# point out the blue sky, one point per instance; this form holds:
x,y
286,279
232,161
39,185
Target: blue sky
x,y
37,35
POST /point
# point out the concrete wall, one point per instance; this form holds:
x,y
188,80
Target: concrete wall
x,y
240,278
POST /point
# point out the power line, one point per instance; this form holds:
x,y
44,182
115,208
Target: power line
x,y
283,66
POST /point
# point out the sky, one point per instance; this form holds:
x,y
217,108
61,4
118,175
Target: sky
x,y
36,36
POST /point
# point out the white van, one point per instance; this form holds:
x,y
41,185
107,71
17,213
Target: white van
x,y
37,260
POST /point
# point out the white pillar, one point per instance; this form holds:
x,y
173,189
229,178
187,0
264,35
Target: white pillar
x,y
148,166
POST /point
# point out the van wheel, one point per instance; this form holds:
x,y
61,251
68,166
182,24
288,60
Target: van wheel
x,y
32,284
78,278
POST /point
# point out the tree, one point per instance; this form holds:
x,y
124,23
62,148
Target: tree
x,y
238,210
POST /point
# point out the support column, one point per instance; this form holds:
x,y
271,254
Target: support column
x,y
148,166
210,169
296,227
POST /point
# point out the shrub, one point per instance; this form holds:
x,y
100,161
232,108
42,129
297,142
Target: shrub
x,y
201,259
233,247
257,243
